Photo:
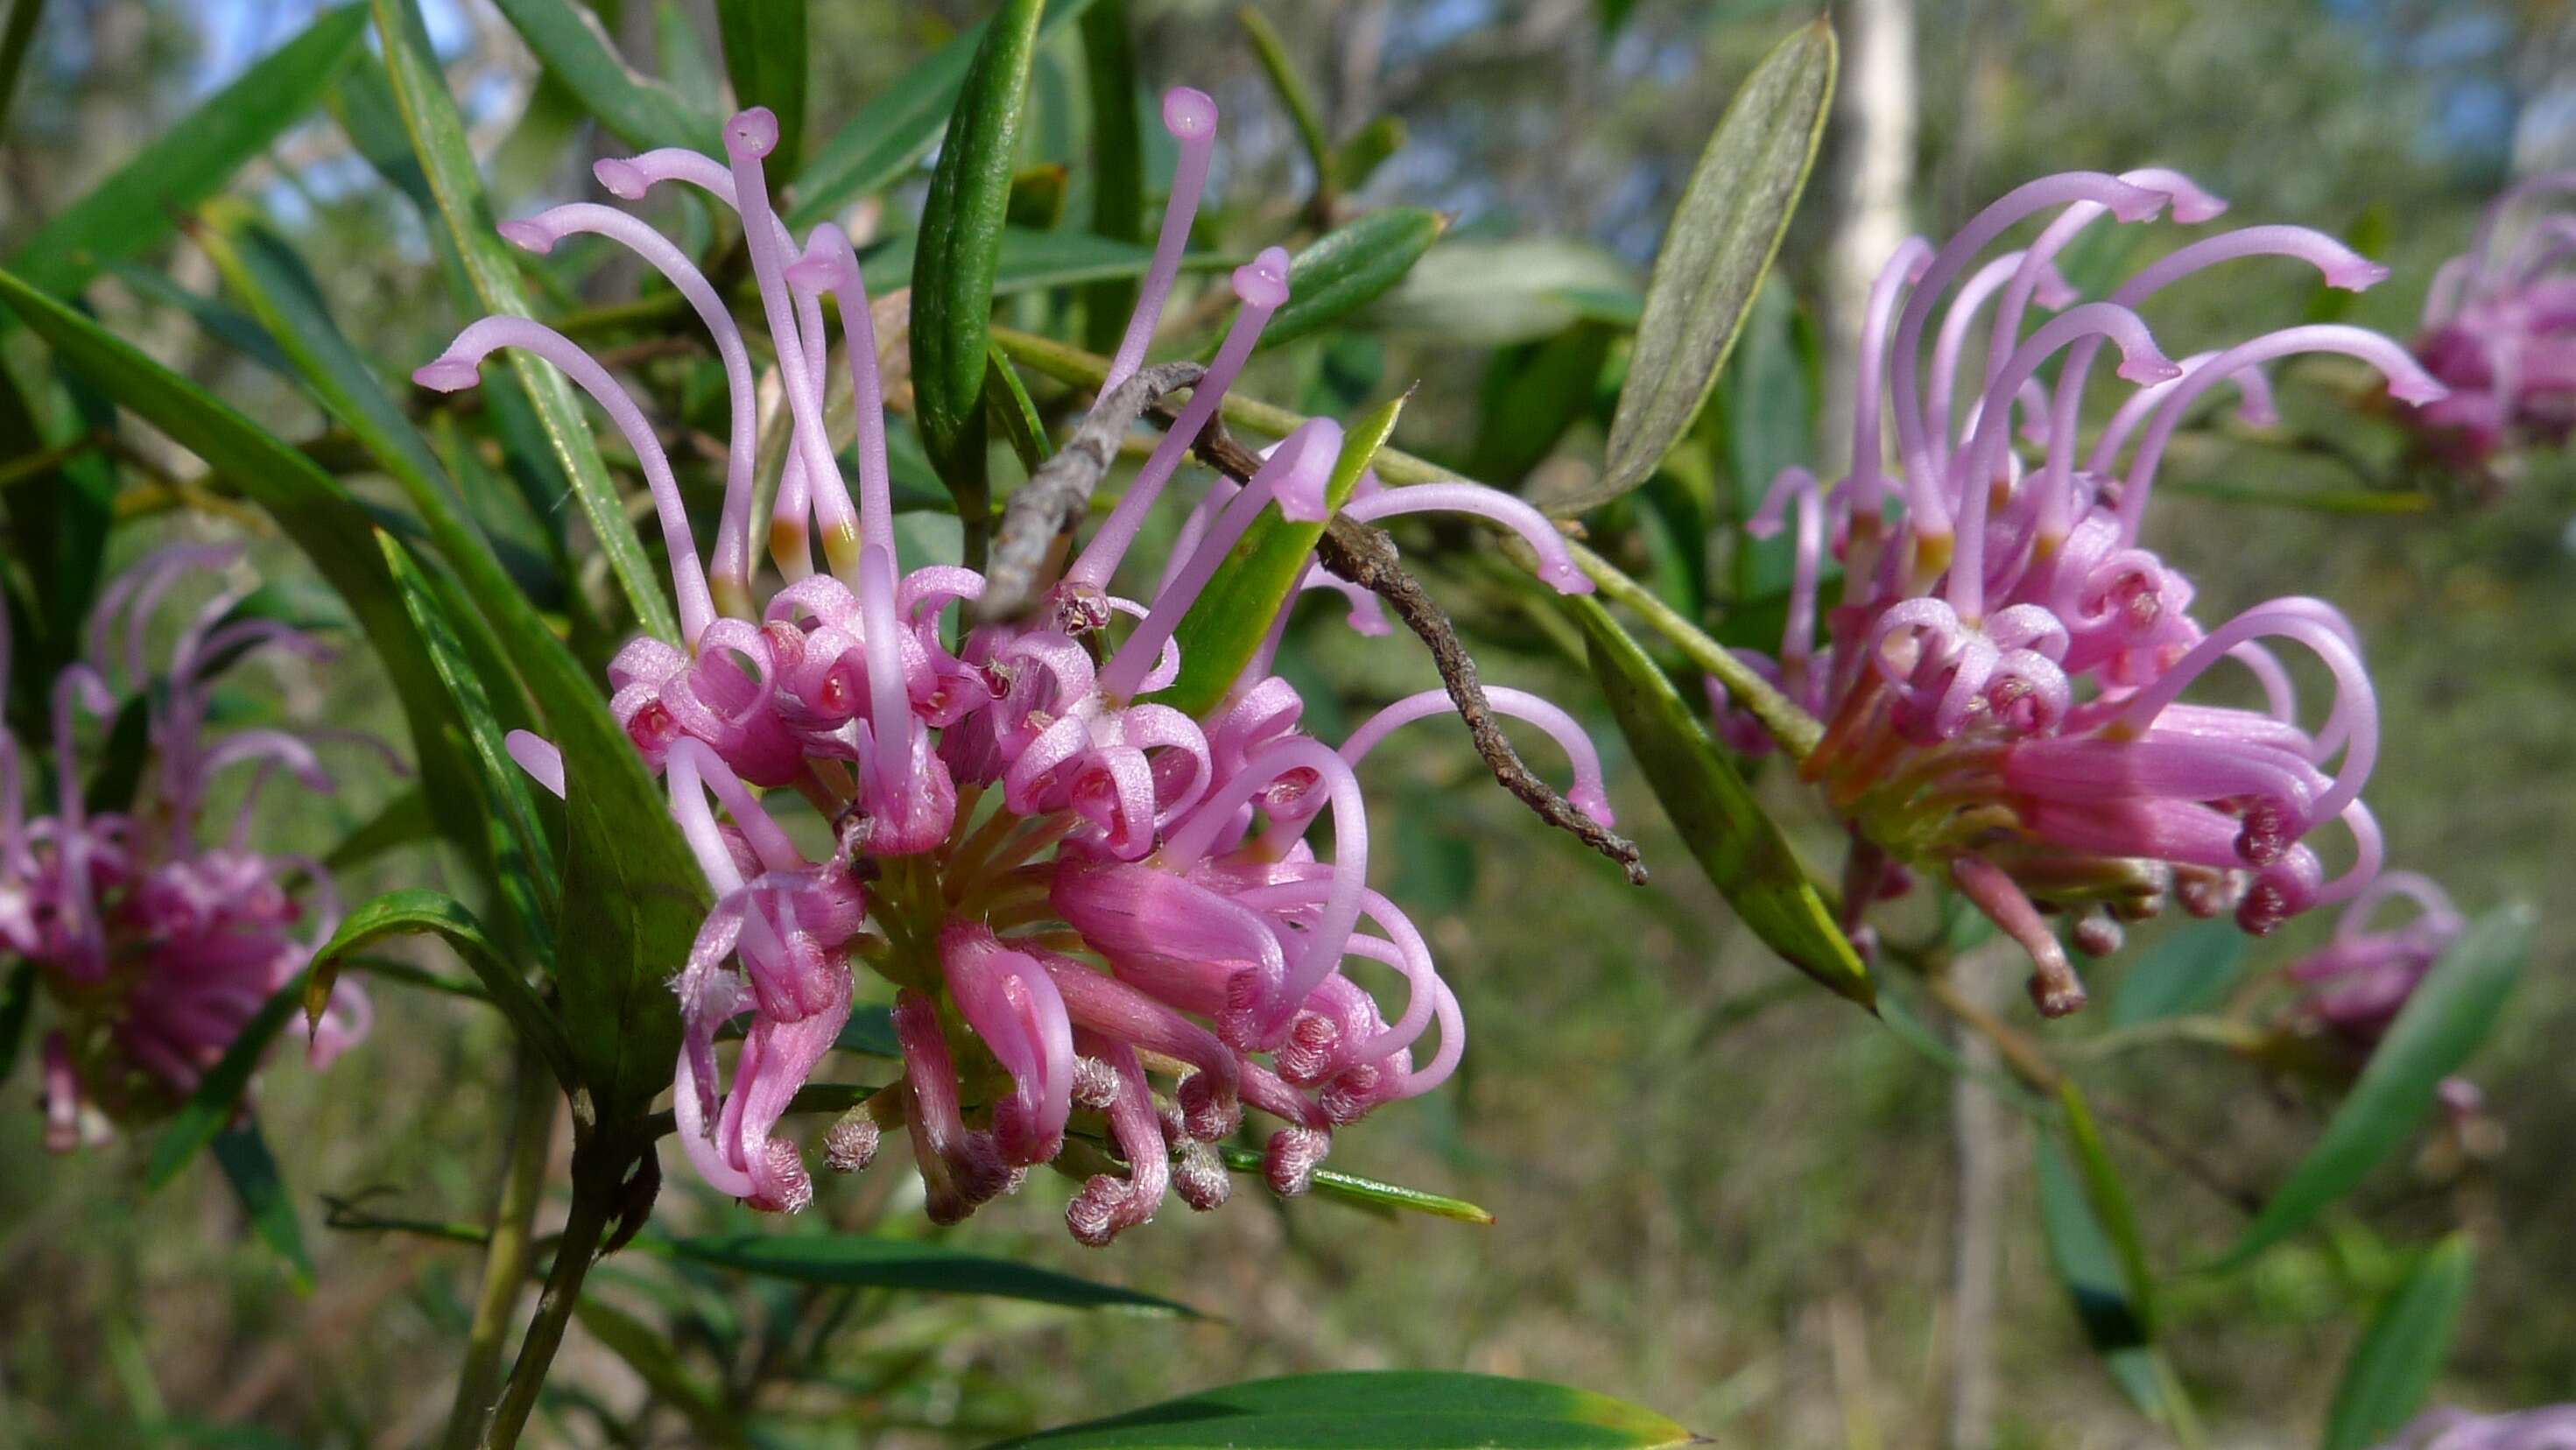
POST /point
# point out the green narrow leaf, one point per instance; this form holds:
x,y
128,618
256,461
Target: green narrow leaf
x,y
1369,1192
252,1170
2399,1355
1533,397
764,54
218,1094
959,248
1012,407
681,58
1033,261
1290,88
1226,623
437,135
2451,1012
1117,163
1351,267
2188,971
1716,251
654,1360
867,1262
1378,1410
2109,1200
522,856
1739,846
138,206
899,126
2091,1271
225,325
638,110
418,912
1366,151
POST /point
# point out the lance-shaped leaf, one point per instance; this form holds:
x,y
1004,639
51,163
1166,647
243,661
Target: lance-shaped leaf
x,y
2188,971
437,134
960,246
137,207
523,858
898,126
638,110
1377,1410
2108,1197
2450,1013
1715,254
1227,622
2096,1279
1739,846
1032,261
1117,162
2402,1351
418,912
252,1170
764,54
1369,1193
868,1262
1291,89
15,39
1349,268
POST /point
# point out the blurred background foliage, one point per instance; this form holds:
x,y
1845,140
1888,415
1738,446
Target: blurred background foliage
x,y
1716,1193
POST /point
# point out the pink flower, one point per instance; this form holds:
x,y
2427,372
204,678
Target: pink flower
x,y
1098,914
2550,1428
2358,982
2002,684
156,946
2499,328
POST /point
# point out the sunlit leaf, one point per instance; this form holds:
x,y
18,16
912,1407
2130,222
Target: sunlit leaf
x,y
959,248
2399,1355
1716,251
1378,1410
869,1262
897,126
2450,1013
1735,842
764,53
1368,1192
418,912
139,205
1347,269
638,110
1227,622
437,133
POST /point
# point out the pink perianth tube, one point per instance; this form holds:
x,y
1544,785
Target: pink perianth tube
x,y
538,757
1868,477
457,368
1262,287
1798,633
889,707
2190,204
748,137
1952,340
829,265
1587,795
1556,564
2407,381
1913,435
2256,410
1299,462
769,840
2289,619
1191,118
2141,362
730,564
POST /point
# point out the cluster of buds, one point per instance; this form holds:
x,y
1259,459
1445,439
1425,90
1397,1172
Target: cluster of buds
x,y
1100,916
2552,1427
156,948
2001,681
2499,329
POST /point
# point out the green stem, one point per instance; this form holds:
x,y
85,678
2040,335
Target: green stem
x,y
506,1260
596,1171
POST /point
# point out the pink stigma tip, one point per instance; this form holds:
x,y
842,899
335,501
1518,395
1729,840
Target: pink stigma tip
x,y
447,374
1263,282
1188,114
527,236
622,177
751,134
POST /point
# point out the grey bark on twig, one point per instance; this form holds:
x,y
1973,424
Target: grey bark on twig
x,y
1045,508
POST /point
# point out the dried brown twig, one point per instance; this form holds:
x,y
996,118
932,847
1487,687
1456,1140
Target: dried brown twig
x,y
1366,557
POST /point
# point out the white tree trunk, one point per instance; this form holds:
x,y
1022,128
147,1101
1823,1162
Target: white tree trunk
x,y
1873,136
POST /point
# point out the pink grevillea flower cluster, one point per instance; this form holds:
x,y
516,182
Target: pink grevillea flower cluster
x,y
156,947
2549,1428
2499,327
2002,681
2355,985
1101,917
